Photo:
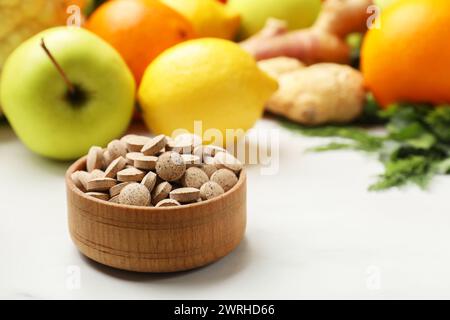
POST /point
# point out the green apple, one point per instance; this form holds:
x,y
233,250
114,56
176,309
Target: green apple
x,y
254,13
54,119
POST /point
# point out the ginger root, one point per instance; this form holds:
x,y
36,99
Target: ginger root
x,y
319,94
276,67
323,42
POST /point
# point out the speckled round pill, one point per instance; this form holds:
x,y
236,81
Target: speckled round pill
x,y
149,181
130,174
224,160
154,145
94,159
135,194
210,190
209,169
170,166
117,148
161,192
115,199
225,178
167,203
185,195
194,178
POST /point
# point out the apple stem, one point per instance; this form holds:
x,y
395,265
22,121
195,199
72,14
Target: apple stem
x,y
69,84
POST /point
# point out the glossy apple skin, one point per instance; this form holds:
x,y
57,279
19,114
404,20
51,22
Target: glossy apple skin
x,y
254,13
33,93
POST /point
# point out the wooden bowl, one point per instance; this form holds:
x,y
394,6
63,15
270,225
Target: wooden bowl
x,y
146,239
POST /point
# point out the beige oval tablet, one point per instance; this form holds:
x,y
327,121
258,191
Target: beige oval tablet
x,y
131,156
209,160
135,194
161,192
184,143
224,160
155,145
115,190
208,150
185,195
135,143
84,177
94,159
149,180
170,166
80,179
191,160
98,195
97,173
100,184
210,190
115,167
107,159
145,162
225,178
188,138
179,148
167,203
130,174
126,137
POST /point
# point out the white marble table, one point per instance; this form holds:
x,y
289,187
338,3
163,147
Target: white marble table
x,y
313,232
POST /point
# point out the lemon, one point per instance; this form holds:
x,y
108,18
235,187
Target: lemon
x,y
210,18
209,80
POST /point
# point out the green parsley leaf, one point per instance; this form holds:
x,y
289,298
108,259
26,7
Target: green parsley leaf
x,y
415,148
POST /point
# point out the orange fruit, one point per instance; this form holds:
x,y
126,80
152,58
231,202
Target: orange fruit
x,y
140,30
408,58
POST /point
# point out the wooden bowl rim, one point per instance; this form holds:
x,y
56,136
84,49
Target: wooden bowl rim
x,y
80,162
